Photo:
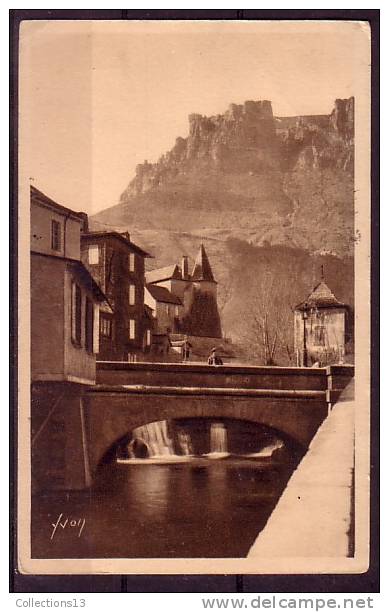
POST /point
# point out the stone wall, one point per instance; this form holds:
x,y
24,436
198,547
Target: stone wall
x,y
226,376
314,516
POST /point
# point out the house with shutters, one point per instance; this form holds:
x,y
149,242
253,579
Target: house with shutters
x,y
118,266
65,299
65,306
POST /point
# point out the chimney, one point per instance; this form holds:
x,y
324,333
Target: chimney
x,y
185,267
85,224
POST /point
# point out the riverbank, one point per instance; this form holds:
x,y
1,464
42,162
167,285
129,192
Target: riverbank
x,y
314,516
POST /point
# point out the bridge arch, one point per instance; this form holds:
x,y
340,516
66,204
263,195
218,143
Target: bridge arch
x,y
111,415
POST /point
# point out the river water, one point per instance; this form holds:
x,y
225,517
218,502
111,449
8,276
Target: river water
x,y
165,506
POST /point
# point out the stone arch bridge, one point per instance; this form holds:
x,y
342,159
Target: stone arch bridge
x,y
292,401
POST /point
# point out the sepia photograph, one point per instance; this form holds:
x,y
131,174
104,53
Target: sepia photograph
x,y
194,296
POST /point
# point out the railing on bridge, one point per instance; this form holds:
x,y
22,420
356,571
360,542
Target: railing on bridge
x,y
331,379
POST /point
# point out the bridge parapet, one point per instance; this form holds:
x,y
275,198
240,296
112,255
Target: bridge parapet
x,y
207,391
229,376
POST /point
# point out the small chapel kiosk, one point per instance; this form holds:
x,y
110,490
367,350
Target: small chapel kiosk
x,y
320,328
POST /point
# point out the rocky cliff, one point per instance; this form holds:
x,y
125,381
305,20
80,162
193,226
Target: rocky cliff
x,y
253,175
249,177
247,139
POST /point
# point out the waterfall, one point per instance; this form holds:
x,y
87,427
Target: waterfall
x,y
175,441
155,437
154,441
218,439
267,451
185,443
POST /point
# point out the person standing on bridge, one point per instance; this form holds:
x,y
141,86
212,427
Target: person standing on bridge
x,y
214,359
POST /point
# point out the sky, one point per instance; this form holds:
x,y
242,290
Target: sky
x,y
98,98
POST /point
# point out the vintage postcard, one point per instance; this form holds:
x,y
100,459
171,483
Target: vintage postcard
x,y
194,297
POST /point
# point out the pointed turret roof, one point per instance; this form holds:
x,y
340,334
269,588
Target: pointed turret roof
x,y
202,270
321,297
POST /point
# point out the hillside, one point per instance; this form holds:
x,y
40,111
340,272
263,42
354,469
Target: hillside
x,y
249,180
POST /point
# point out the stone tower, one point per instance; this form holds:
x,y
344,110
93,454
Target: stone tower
x,y
320,328
196,313
202,274
202,314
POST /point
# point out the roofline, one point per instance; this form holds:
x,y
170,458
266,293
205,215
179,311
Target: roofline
x,y
56,257
184,280
177,303
302,307
95,286
44,200
78,263
160,280
163,278
166,302
119,236
202,280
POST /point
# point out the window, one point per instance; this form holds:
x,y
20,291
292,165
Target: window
x,y
131,295
89,325
176,311
131,262
319,337
76,314
131,329
167,309
93,254
148,337
96,327
55,235
106,327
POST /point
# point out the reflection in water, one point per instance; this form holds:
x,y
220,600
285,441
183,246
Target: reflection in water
x,y
151,491
198,508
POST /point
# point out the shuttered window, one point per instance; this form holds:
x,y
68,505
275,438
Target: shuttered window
x,y
93,254
76,313
105,327
131,329
131,295
319,337
89,324
55,235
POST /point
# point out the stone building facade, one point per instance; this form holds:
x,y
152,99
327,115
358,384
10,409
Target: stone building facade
x,y
65,312
166,307
194,295
321,328
118,267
